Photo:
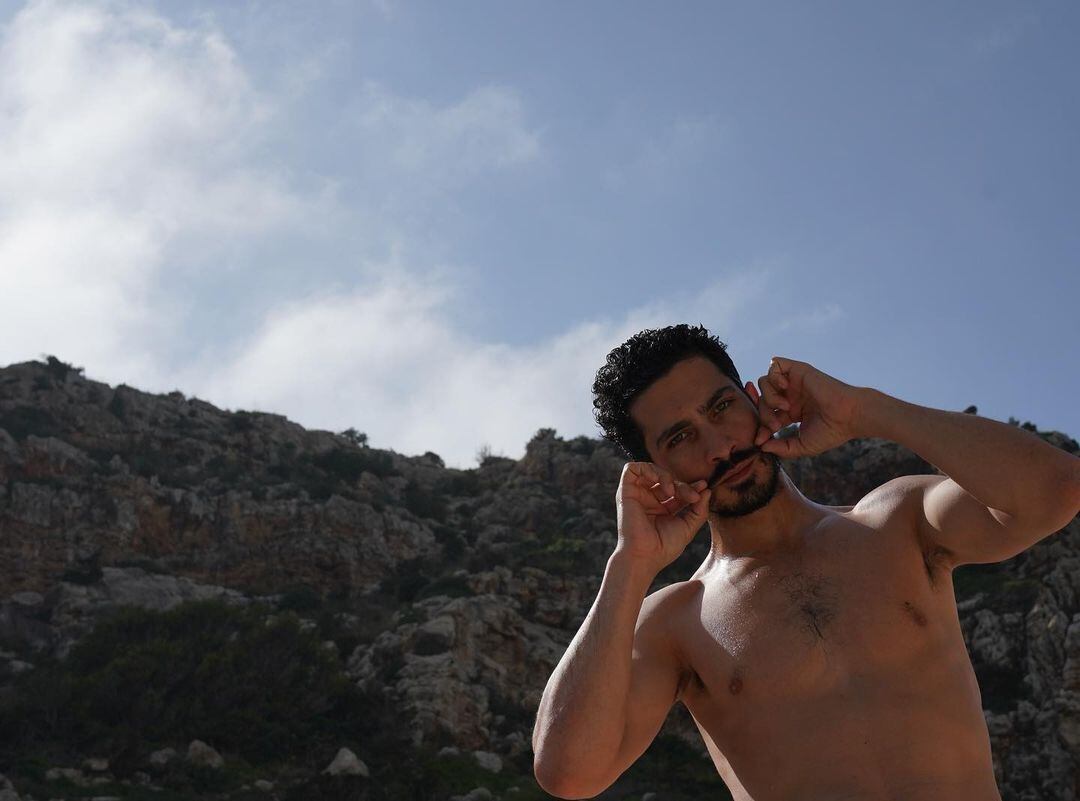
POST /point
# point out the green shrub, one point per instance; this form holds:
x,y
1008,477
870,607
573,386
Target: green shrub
x,y
299,598
1003,593
423,502
357,438
82,574
117,407
260,688
241,422
561,555
348,465
452,542
452,586
24,421
459,483
59,369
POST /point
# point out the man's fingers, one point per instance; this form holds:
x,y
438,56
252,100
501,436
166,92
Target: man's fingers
x,y
694,514
771,417
683,496
664,491
786,448
771,394
763,435
654,478
776,372
785,366
656,489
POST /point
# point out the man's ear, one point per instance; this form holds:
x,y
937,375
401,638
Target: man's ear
x,y
751,392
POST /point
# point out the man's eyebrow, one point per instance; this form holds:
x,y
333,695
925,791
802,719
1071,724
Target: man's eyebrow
x,y
674,427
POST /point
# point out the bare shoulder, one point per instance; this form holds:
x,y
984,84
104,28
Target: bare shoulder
x,y
662,623
664,612
892,501
893,510
671,602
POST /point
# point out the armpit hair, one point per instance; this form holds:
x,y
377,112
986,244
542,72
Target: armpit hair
x,y
936,560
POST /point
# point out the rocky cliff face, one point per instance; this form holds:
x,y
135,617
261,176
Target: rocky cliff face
x,y
452,593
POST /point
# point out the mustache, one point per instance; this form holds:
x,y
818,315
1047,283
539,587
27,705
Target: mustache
x,y
737,458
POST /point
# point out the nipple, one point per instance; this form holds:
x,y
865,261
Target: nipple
x,y
915,612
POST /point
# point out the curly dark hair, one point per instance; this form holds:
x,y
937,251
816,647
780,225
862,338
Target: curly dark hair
x,y
633,366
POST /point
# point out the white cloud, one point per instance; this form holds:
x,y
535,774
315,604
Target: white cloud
x,y
1002,34
814,318
389,361
484,130
661,160
122,134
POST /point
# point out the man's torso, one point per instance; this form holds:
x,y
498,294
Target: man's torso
x,y
836,672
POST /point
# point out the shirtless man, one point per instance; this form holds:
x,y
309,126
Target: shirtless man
x,y
818,648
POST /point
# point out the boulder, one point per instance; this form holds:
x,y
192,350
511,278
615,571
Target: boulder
x,y
7,790
488,761
199,753
346,763
73,775
478,794
162,757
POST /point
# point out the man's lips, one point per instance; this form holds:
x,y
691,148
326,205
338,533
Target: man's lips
x,y
739,470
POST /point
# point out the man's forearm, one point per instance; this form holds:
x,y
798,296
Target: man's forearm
x,y
1003,466
582,715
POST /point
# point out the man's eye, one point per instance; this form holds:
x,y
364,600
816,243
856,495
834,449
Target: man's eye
x,y
719,407
676,439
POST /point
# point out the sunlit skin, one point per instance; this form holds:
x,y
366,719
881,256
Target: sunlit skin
x,y
818,648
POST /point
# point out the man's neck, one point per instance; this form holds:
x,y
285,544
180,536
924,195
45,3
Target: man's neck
x,y
777,527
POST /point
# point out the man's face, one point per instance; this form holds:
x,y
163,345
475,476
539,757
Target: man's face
x,y
699,425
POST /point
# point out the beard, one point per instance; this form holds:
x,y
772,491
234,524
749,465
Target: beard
x,y
751,493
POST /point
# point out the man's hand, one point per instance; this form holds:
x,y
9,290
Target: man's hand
x,y
658,516
826,409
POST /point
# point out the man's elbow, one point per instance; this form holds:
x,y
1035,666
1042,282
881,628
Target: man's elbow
x,y
555,780
1072,485
1063,504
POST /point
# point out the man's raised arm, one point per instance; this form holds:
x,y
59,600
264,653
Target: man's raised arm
x,y
588,731
1004,489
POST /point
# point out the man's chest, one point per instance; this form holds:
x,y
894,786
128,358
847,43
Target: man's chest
x,y
854,604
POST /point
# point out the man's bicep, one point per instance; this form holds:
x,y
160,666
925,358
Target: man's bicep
x,y
951,517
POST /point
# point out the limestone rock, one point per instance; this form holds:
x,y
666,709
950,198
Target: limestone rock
x,y
7,790
346,763
485,647
1071,671
73,775
488,761
162,757
199,753
477,794
72,609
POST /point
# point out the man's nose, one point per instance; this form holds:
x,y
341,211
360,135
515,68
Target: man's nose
x,y
718,445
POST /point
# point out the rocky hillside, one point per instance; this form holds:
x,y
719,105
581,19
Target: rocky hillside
x,y
166,565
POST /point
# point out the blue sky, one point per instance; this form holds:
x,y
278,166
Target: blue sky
x,y
430,221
